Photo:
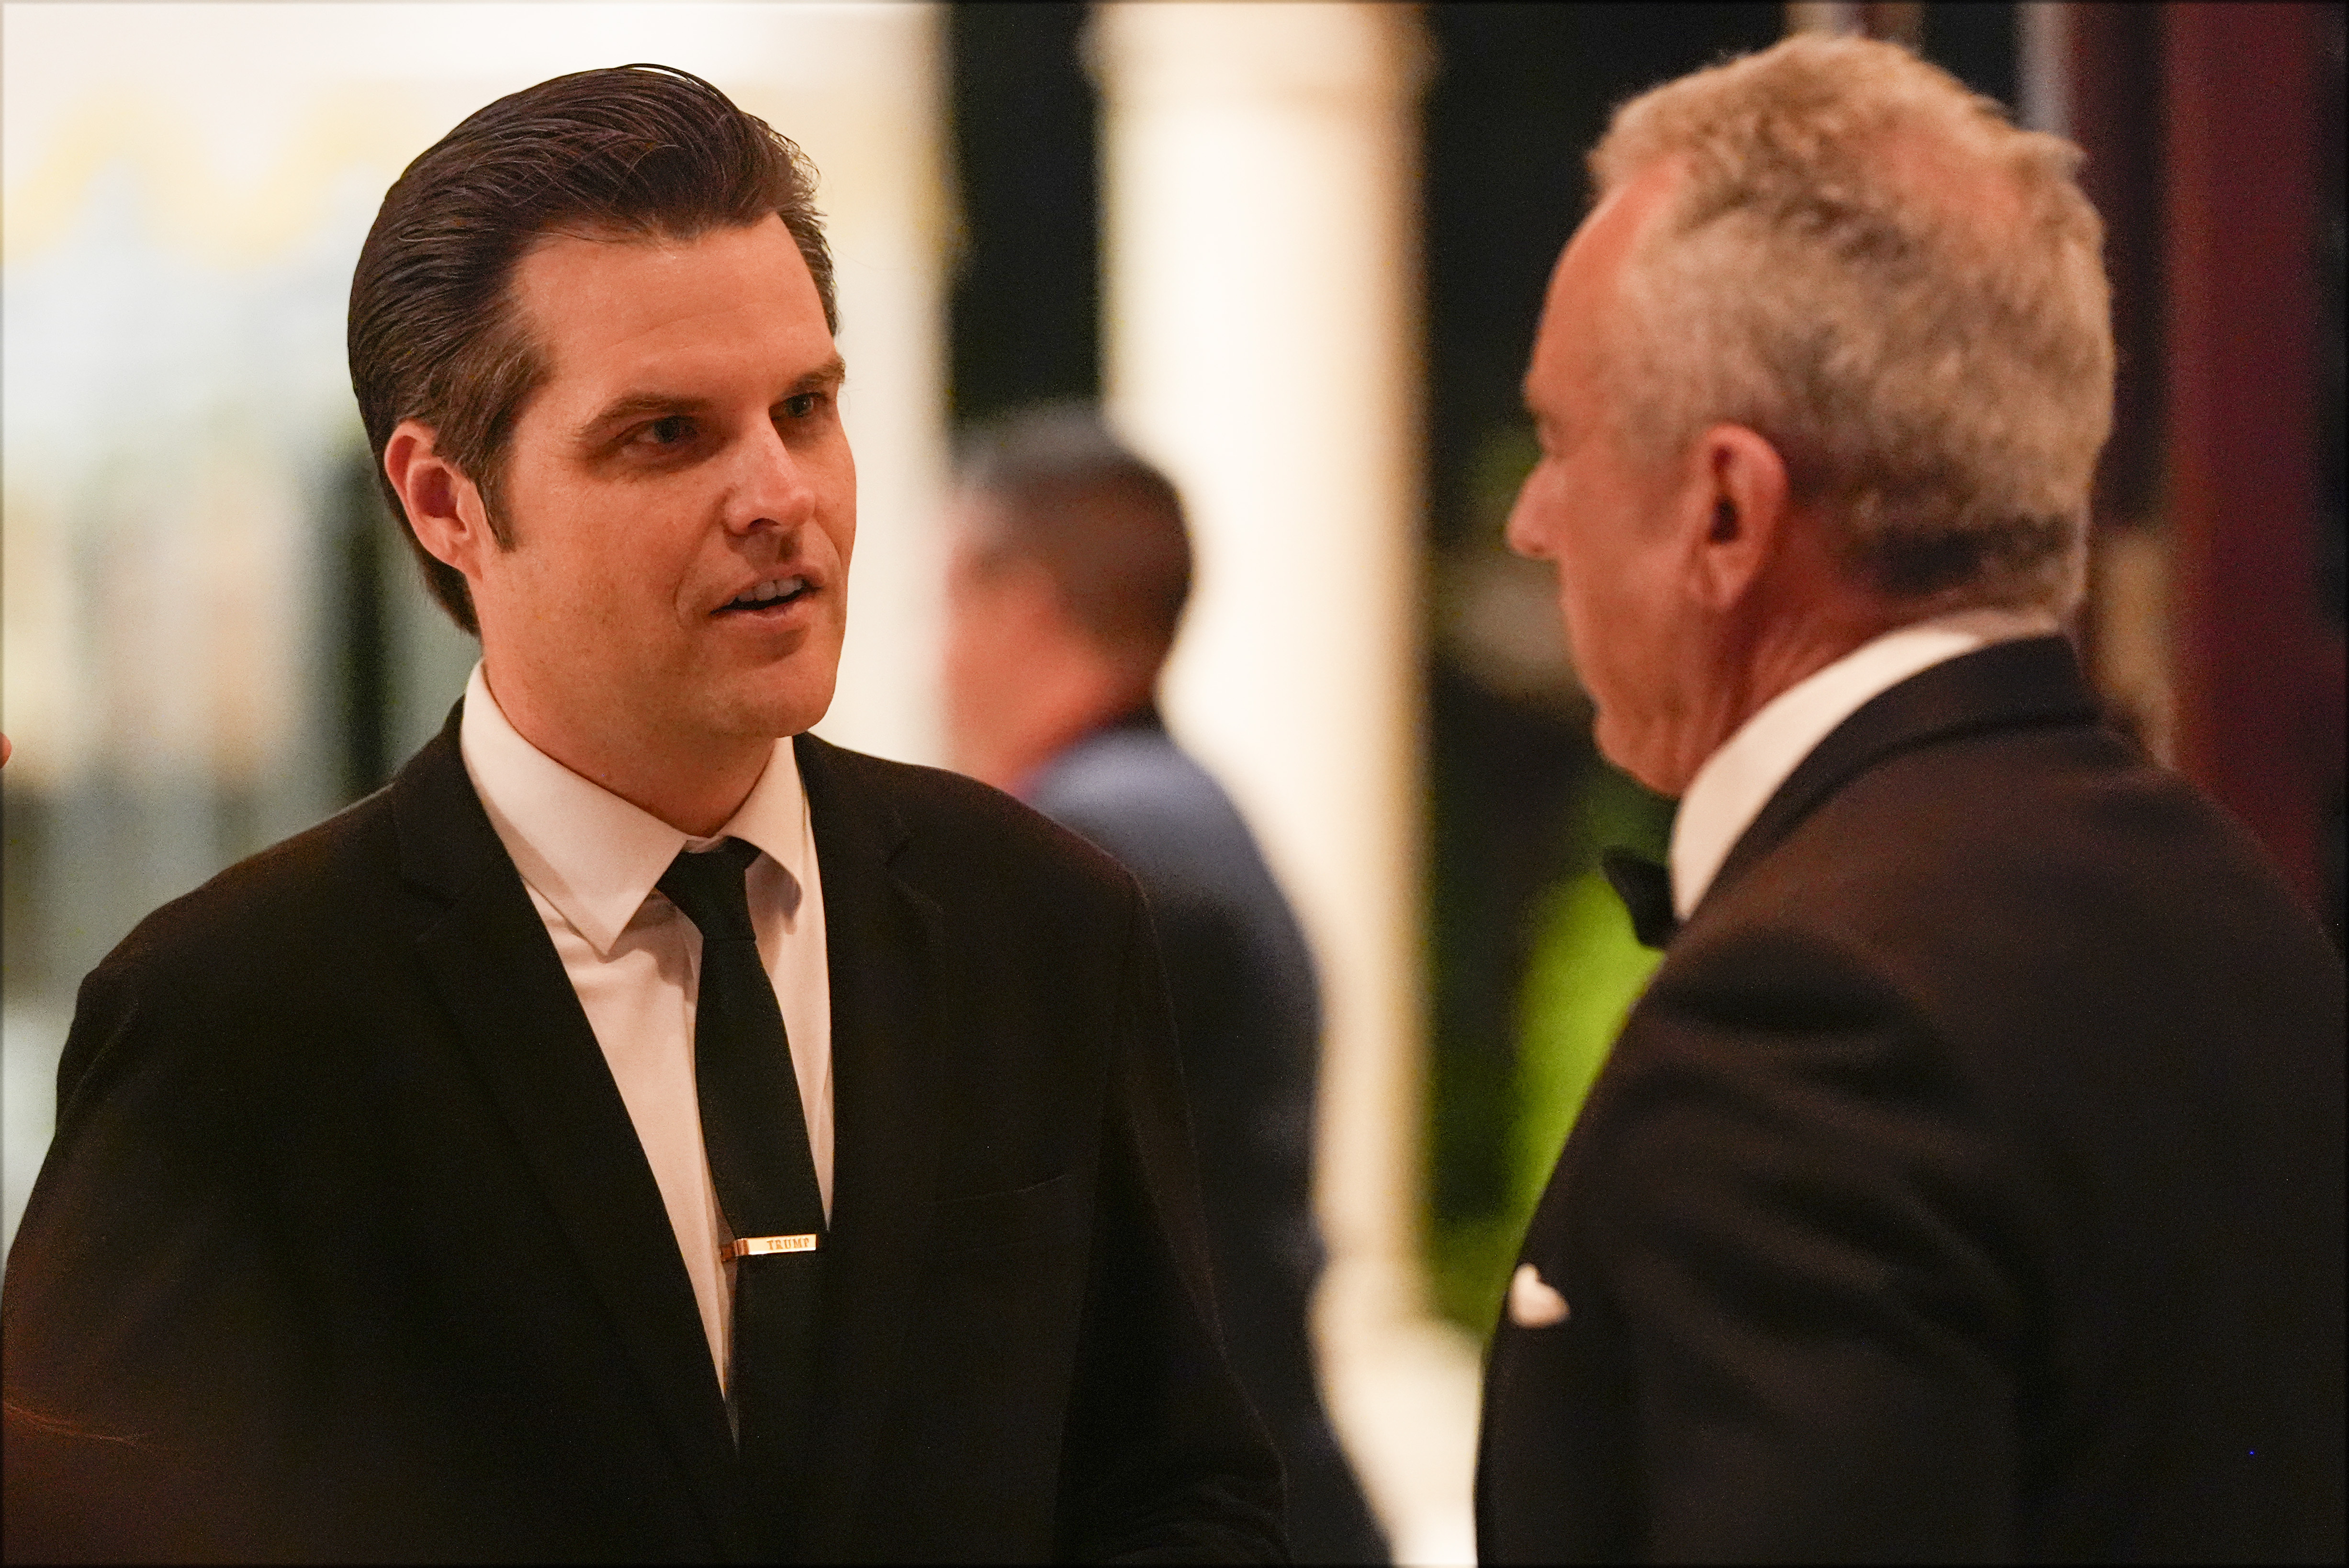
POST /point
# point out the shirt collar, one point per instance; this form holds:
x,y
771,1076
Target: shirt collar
x,y
592,855
1737,780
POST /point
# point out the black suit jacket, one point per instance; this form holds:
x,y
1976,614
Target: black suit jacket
x,y
346,1247
1248,1019
1968,1183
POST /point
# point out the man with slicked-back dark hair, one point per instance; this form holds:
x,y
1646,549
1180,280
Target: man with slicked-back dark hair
x,y
642,1131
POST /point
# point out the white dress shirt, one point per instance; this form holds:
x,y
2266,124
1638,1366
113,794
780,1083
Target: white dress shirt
x,y
590,859
1737,780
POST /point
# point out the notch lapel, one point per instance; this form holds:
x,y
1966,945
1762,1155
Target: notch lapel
x,y
523,1027
887,959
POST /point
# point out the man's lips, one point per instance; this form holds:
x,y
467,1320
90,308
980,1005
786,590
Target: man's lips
x,y
771,594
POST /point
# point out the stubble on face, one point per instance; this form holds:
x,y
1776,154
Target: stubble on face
x,y
683,503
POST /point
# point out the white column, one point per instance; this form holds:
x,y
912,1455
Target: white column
x,y
1261,342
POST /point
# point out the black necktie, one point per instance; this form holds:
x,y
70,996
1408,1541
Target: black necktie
x,y
1646,890
755,1134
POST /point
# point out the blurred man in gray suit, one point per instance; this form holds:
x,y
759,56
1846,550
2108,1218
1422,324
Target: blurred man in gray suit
x,y
1070,568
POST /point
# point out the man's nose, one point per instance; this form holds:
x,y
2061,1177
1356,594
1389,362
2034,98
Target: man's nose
x,y
772,488
1524,532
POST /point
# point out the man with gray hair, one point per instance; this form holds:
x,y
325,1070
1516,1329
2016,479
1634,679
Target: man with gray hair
x,y
1968,1183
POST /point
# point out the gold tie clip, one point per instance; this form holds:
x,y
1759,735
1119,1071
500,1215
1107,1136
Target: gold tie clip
x,y
751,1246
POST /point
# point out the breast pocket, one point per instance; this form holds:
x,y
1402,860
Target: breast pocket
x,y
1047,1213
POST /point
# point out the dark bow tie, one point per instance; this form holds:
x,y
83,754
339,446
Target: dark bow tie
x,y
1646,890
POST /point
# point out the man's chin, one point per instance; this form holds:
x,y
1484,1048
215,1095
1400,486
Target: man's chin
x,y
777,711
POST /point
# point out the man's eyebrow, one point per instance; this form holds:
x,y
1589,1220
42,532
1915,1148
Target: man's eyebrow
x,y
831,373
628,405
634,405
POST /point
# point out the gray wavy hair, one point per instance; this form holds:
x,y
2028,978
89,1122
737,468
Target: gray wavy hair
x,y
1870,267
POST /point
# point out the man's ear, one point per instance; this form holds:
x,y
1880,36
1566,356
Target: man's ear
x,y
443,506
1737,488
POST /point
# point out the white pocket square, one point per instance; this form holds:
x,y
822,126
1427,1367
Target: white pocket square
x,y
1532,1303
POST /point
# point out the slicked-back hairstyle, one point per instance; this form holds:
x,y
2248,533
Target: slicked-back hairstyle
x,y
1902,292
631,152
1105,526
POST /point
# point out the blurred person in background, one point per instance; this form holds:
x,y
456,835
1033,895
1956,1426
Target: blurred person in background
x,y
1968,1183
641,1132
1069,567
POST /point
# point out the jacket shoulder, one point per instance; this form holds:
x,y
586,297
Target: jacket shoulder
x,y
1141,797
958,829
305,883
2077,922
2018,819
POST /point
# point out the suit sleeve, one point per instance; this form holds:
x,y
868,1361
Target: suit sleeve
x,y
150,1336
1794,1214
1165,1462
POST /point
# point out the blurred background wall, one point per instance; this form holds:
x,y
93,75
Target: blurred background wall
x,y
1298,251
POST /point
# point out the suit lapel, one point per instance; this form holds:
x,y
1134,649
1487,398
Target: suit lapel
x,y
886,954
522,1025
2007,685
